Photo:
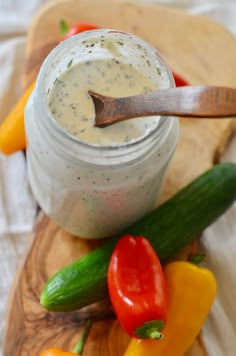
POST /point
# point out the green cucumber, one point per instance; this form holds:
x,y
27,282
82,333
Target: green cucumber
x,y
169,228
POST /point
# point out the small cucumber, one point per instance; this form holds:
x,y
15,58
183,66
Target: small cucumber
x,y
169,228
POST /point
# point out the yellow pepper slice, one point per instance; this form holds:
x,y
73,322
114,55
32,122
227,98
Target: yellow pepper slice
x,y
12,130
191,292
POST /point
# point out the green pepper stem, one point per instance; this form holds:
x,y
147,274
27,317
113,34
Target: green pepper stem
x,y
80,346
197,259
150,330
64,28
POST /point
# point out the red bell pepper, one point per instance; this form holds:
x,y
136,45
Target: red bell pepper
x,y
137,287
75,29
179,81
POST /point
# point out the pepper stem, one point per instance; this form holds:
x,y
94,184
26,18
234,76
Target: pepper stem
x,y
64,28
197,259
150,330
80,346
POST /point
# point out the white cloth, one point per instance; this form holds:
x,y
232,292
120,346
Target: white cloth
x,y
18,207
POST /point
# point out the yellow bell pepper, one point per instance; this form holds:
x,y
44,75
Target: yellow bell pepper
x,y
12,130
191,292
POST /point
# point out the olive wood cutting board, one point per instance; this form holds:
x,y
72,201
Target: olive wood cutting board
x,y
201,51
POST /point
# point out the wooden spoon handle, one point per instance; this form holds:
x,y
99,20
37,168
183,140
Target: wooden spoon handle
x,y
189,101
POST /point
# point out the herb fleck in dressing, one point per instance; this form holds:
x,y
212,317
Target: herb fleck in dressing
x,y
73,108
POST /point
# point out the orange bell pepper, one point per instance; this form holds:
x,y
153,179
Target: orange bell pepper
x,y
12,130
191,291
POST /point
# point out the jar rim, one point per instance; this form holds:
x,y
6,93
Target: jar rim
x,y
163,126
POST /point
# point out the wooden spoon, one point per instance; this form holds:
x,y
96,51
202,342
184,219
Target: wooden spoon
x,y
189,101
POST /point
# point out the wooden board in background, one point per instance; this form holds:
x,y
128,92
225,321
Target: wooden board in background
x,y
195,47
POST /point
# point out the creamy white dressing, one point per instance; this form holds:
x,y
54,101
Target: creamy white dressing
x,y
73,108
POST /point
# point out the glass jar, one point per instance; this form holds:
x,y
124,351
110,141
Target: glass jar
x,y
90,190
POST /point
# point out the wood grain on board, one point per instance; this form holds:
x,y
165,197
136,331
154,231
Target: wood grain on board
x,y
198,49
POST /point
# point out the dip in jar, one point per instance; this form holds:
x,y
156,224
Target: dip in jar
x,y
94,182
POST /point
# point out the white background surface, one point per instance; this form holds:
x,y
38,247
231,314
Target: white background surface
x,y
17,205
